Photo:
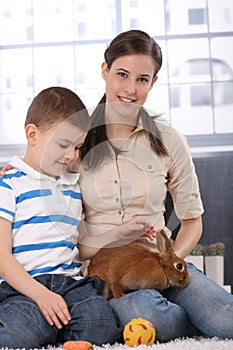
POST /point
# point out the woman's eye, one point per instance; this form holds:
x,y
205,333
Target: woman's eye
x,y
122,74
143,80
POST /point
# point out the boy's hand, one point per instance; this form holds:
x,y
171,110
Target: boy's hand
x,y
54,309
4,169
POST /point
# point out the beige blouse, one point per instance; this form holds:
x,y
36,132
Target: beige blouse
x,y
135,182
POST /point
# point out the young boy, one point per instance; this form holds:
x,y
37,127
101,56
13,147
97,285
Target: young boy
x,y
43,298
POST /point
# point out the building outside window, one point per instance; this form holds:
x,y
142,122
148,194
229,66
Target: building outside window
x,y
62,42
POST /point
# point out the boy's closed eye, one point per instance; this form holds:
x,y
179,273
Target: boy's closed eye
x,y
63,146
67,145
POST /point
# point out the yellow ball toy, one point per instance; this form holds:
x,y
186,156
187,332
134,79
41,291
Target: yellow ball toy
x,y
139,331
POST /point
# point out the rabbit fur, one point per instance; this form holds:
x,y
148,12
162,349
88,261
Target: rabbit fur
x,y
135,266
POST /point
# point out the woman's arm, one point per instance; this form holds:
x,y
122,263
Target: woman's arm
x,y
123,234
184,188
52,305
188,236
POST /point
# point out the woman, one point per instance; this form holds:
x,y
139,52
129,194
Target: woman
x,y
129,161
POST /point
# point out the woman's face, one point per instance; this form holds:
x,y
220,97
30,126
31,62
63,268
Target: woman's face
x,y
128,82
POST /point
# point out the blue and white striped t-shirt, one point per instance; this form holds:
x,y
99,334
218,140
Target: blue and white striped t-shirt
x,y
45,213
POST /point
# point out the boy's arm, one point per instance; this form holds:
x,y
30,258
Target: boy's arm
x,y
52,305
123,234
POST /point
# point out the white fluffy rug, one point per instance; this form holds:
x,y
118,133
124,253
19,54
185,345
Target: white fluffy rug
x,y
178,344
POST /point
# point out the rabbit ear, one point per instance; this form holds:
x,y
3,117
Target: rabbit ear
x,y
163,242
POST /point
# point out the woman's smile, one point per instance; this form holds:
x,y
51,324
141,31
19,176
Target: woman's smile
x,y
126,100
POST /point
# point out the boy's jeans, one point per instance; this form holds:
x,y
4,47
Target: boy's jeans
x,y
202,307
22,325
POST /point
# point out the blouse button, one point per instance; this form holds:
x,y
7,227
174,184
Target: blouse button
x,y
149,166
116,182
119,212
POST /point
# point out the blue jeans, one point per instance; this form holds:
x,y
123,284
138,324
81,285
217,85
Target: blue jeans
x,y
200,308
22,325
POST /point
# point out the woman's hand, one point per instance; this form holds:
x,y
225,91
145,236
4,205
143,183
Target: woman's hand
x,y
136,228
54,308
122,234
4,169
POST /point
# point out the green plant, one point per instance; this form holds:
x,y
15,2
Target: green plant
x,y
212,249
198,250
217,248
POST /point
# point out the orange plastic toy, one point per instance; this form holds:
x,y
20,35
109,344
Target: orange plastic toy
x,y
77,345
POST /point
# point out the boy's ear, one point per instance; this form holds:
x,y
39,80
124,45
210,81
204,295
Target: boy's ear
x,y
104,70
31,131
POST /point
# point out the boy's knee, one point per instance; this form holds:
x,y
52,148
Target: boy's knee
x,y
22,328
94,320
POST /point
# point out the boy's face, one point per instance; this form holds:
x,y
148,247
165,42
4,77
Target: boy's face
x,y
56,148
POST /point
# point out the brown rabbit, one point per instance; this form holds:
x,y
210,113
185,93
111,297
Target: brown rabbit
x,y
136,266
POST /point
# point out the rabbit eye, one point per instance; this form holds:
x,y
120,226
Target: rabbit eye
x,y
179,266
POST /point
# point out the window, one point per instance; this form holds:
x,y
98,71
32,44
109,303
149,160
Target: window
x,y
63,42
197,16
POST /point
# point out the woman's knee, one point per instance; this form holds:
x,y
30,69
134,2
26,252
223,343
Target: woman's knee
x,y
169,320
198,299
